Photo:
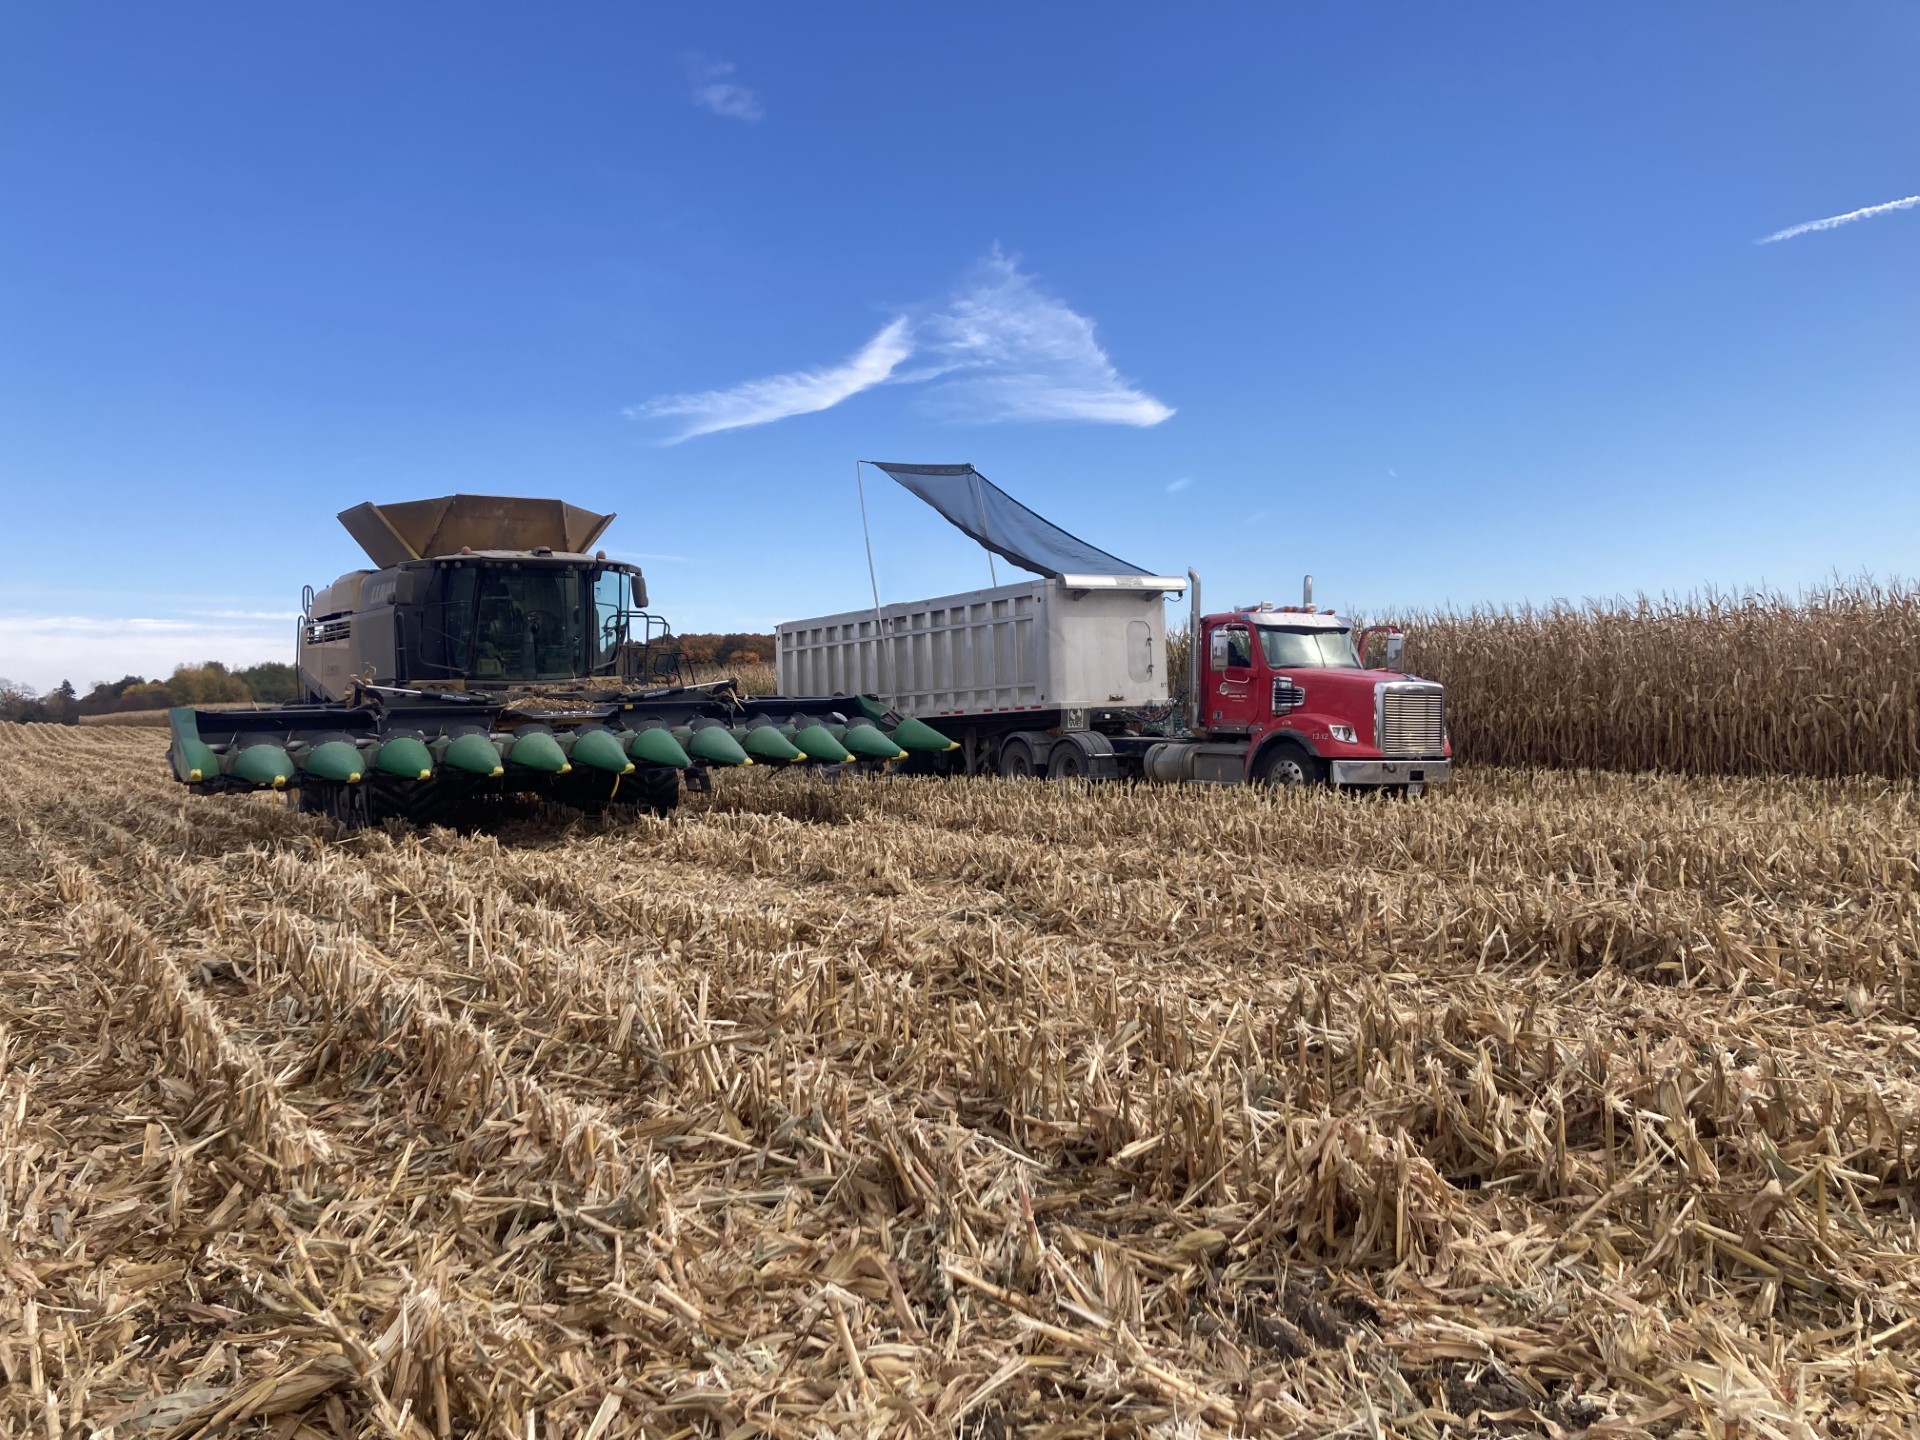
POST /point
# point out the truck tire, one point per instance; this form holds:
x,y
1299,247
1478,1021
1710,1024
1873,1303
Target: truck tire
x,y
1067,761
1288,764
1016,760
1082,755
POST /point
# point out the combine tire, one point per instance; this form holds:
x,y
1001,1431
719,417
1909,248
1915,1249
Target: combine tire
x,y
656,789
1288,764
351,807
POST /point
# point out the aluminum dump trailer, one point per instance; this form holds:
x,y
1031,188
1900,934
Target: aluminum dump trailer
x,y
1044,676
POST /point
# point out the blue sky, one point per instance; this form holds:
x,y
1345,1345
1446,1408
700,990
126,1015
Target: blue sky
x,y
1443,304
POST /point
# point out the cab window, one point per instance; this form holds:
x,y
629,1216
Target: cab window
x,y
611,590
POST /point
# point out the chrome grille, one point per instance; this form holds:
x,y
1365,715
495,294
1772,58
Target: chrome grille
x,y
1412,721
1287,696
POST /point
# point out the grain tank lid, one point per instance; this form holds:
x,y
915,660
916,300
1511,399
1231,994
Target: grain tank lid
x,y
977,506
418,529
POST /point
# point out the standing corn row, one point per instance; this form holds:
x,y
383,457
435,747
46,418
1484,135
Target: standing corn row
x,y
1749,684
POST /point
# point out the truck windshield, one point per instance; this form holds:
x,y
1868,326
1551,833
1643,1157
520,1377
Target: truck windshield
x,y
1317,649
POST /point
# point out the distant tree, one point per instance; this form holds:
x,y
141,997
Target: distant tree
x,y
143,695
270,682
745,648
208,684
733,648
699,649
62,704
18,702
105,694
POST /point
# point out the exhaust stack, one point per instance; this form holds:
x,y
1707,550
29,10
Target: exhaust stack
x,y
1306,593
1193,653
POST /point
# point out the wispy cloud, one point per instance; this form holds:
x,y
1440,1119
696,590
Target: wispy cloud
x,y
776,397
1178,485
999,349
712,90
1834,222
1017,353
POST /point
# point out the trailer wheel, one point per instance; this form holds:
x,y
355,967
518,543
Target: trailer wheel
x,y
1289,764
1067,762
1016,760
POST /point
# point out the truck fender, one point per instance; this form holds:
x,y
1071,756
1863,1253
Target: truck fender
x,y
1095,749
1275,737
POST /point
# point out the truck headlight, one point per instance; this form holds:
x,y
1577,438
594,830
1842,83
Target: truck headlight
x,y
1342,733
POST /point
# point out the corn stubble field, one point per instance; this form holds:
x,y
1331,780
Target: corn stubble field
x,y
1548,1103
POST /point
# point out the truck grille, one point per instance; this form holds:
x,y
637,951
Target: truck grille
x,y
1287,696
1412,721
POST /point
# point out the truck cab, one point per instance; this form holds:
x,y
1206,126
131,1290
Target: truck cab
x,y
1284,691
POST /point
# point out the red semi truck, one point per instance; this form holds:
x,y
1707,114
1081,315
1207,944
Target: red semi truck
x,y
1281,695
1065,675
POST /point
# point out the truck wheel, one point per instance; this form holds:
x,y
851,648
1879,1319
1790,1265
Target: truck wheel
x,y
1067,761
1290,765
1016,760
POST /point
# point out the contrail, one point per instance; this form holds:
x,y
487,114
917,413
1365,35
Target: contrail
x,y
1834,222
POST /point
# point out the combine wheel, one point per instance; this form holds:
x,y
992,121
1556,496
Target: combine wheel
x,y
1288,764
1016,760
659,790
655,788
350,807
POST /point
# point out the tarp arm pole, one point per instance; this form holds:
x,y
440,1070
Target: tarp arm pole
x,y
879,668
980,504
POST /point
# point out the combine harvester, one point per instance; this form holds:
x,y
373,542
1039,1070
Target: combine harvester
x,y
1066,675
490,655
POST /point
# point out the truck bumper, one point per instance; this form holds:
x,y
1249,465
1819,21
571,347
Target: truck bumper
x,y
1388,772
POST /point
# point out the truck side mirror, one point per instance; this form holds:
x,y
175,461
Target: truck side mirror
x,y
639,591
1396,651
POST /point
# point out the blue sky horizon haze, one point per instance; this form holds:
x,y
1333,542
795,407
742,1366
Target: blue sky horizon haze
x,y
1445,305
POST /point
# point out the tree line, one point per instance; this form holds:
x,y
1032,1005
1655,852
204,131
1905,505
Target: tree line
x,y
269,683
734,648
274,683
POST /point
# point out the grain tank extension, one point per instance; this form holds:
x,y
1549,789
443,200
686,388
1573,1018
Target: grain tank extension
x,y
489,654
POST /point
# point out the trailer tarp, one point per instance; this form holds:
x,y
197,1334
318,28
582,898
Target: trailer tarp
x,y
1009,529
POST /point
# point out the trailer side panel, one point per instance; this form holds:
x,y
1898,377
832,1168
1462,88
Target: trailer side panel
x,y
1036,645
